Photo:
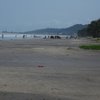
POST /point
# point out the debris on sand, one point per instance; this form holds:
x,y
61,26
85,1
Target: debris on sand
x,y
40,66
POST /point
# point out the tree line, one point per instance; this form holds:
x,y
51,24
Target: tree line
x,y
93,29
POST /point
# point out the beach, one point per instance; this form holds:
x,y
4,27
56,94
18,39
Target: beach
x,y
49,69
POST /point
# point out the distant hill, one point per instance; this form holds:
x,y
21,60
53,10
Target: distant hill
x,y
64,31
92,29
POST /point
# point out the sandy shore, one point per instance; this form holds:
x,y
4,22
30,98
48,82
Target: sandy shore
x,y
49,70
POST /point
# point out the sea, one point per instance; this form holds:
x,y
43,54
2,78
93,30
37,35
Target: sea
x,y
10,36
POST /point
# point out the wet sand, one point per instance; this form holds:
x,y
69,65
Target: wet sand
x,y
47,69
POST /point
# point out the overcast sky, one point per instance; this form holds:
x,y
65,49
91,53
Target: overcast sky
x,y
24,15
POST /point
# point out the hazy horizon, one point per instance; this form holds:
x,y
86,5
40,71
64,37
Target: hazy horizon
x,y
27,15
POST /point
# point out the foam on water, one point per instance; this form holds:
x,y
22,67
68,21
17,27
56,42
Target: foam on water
x,y
24,36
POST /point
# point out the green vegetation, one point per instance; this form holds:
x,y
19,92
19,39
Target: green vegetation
x,y
90,47
98,39
93,29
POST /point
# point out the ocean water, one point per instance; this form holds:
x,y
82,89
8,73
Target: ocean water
x,y
18,36
24,36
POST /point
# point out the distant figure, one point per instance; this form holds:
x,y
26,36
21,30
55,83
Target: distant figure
x,y
52,37
57,37
23,36
45,37
34,36
15,36
2,36
48,37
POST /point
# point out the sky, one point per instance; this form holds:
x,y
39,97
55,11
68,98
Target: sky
x,y
27,15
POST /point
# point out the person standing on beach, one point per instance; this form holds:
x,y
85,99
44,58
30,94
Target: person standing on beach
x,y
2,36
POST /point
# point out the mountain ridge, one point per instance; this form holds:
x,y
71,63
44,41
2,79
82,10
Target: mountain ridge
x,y
64,31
